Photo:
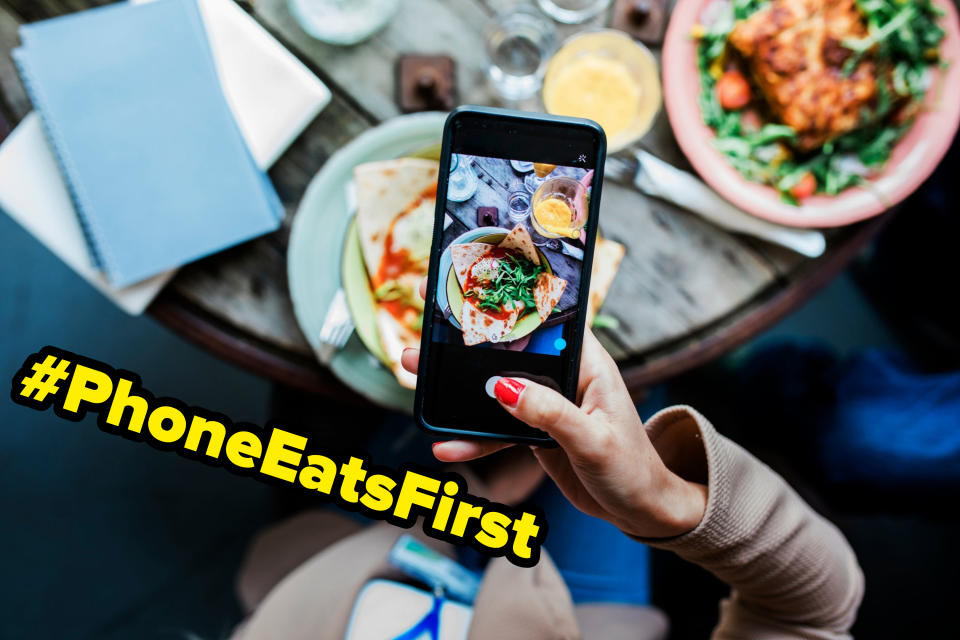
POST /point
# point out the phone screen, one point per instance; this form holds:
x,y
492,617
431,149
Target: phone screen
x,y
509,267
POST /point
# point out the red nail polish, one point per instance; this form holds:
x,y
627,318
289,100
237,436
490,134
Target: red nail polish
x,y
508,391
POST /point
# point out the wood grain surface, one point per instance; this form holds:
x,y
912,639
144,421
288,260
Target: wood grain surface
x,y
686,291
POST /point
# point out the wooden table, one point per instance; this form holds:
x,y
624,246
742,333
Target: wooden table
x,y
686,291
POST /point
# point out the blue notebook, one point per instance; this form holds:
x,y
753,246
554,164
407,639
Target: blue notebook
x,y
157,167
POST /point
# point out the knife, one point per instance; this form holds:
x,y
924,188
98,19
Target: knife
x,y
659,179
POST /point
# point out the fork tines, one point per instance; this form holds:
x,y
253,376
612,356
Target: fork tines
x,y
337,325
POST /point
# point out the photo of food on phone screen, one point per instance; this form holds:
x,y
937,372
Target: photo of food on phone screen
x,y
512,254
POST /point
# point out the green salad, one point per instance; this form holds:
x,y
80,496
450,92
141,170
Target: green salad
x,y
514,281
902,39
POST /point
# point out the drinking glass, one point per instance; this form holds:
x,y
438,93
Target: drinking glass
x,y
573,11
606,76
519,43
518,206
342,22
462,183
568,192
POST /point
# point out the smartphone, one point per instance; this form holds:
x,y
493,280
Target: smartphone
x,y
518,199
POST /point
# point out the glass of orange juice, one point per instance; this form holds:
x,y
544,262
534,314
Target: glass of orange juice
x,y
559,208
608,77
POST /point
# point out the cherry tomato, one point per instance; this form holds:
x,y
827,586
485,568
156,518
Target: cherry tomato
x,y
805,187
733,90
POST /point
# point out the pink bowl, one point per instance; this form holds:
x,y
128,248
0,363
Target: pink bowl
x,y
913,159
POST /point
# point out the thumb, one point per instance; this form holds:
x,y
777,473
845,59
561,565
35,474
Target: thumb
x,y
544,409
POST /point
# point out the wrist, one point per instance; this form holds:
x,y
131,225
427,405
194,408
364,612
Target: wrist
x,y
678,507
690,506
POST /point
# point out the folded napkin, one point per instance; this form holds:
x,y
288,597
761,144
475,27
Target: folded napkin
x,y
271,94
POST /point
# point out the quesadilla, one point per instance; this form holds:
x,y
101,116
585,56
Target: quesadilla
x,y
546,293
395,337
387,190
480,325
500,283
395,208
519,240
465,256
607,255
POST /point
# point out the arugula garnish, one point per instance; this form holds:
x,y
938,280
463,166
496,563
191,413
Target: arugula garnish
x,y
514,281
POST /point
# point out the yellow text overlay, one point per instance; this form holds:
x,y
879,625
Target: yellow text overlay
x,y
75,385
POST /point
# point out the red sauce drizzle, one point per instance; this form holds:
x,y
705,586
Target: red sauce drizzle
x,y
396,308
472,283
396,262
503,314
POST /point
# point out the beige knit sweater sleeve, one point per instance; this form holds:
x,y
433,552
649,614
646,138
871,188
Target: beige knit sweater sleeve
x,y
792,573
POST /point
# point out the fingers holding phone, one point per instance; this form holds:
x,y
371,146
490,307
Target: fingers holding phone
x,y
606,464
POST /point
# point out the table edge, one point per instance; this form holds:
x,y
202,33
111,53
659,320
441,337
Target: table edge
x,y
755,316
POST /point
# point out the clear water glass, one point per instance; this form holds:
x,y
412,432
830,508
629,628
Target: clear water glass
x,y
519,44
342,22
573,11
518,206
462,183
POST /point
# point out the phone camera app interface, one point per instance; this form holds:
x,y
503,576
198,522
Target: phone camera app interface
x,y
512,255
509,277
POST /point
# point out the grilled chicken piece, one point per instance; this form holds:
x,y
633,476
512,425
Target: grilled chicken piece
x,y
794,53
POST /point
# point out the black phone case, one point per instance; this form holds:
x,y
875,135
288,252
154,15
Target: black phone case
x,y
519,117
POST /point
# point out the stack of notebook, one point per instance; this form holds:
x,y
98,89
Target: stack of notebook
x,y
158,170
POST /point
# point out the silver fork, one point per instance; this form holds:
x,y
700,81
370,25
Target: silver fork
x,y
557,245
659,179
336,329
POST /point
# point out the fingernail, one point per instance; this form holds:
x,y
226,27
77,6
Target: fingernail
x,y
508,391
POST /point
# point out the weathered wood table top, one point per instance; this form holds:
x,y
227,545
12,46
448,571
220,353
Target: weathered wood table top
x,y
686,291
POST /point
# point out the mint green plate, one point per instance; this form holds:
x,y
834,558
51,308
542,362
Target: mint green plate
x,y
324,254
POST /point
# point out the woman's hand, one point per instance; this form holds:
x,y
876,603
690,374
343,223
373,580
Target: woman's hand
x,y
606,464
